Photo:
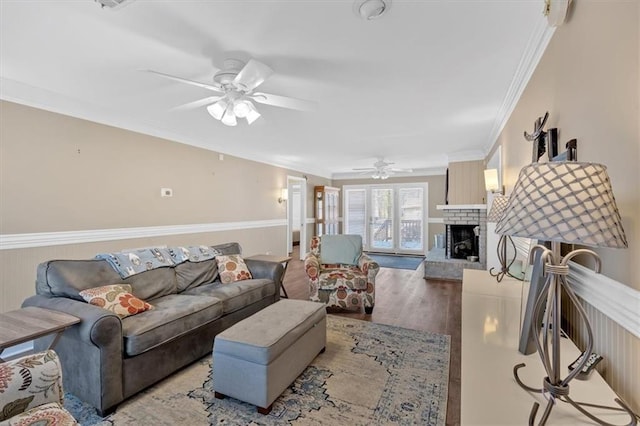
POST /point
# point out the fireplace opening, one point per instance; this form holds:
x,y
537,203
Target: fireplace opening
x,y
462,241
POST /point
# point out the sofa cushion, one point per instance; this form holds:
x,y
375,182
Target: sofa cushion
x,y
236,295
116,298
173,316
228,248
193,274
66,278
232,268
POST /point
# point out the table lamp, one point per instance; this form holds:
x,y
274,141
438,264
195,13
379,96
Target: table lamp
x,y
562,202
498,207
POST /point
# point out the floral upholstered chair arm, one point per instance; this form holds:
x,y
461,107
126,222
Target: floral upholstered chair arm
x,y
31,388
312,266
369,267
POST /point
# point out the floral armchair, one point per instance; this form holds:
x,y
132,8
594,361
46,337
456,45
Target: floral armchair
x,y
31,392
340,274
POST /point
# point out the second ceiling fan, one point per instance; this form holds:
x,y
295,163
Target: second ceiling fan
x,y
235,85
382,169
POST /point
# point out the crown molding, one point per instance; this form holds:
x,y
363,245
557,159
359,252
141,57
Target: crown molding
x,y
537,44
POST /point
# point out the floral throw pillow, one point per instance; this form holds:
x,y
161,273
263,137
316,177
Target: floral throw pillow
x,y
116,298
232,268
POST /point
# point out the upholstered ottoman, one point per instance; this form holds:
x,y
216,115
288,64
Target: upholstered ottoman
x,y
257,358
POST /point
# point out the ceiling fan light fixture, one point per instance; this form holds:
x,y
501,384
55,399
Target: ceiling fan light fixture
x,y
217,109
229,118
253,114
371,9
241,108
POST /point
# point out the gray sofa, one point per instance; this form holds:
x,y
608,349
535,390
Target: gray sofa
x,y
106,359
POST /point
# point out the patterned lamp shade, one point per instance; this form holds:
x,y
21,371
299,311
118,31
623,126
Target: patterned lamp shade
x,y
567,202
498,207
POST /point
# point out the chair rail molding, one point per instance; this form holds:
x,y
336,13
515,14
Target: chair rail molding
x,y
617,301
44,239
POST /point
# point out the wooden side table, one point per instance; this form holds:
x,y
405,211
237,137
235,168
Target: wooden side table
x,y
26,324
275,259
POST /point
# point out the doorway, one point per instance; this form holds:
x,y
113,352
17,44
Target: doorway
x,y
390,218
296,214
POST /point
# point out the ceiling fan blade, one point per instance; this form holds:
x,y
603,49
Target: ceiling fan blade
x,y
284,101
364,169
252,75
191,82
197,104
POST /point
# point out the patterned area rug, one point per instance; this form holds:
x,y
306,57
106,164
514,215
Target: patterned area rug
x,y
370,374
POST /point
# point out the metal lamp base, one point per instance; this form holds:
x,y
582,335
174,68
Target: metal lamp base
x,y
554,386
502,257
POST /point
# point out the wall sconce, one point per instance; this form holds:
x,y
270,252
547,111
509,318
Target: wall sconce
x,y
284,195
491,182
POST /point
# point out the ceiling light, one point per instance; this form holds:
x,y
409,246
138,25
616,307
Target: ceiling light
x,y
229,118
371,9
253,114
217,110
241,108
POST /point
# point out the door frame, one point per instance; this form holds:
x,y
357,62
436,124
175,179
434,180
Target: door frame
x,y
396,213
291,181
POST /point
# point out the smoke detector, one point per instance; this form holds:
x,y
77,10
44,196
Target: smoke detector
x,y
371,9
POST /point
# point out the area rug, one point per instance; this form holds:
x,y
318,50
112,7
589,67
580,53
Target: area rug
x,y
397,262
369,374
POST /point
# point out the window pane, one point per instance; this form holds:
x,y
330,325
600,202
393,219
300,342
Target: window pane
x,y
411,218
382,218
356,217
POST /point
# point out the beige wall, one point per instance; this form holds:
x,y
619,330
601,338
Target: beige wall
x,y
59,173
466,182
436,188
588,80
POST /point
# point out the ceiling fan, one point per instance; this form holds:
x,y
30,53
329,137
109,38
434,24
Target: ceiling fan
x,y
235,84
381,169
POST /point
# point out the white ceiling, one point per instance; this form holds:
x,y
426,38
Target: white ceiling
x,y
429,82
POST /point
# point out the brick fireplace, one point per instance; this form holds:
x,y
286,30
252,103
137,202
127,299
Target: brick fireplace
x,y
466,236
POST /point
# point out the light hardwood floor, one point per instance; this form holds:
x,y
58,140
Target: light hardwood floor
x,y
405,299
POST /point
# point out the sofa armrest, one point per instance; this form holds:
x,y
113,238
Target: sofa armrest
x,y
312,266
28,382
369,267
97,326
262,269
91,352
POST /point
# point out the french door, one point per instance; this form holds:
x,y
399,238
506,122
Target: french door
x,y
390,218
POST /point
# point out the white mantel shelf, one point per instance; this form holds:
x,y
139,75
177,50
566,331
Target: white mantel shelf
x,y
461,207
